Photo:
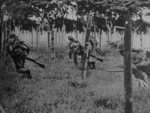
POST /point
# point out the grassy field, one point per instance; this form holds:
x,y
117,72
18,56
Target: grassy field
x,y
59,87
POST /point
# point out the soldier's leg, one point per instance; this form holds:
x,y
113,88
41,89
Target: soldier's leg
x,y
82,56
25,72
19,63
93,64
70,55
90,65
71,51
75,58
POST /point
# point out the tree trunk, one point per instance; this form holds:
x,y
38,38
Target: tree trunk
x,y
127,65
100,38
109,35
141,40
94,46
2,41
10,27
56,39
59,37
48,36
86,53
5,35
82,37
5,39
37,37
32,37
19,31
52,41
76,31
1,35
134,37
63,34
1,21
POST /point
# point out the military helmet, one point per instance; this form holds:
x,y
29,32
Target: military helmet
x,y
120,46
70,38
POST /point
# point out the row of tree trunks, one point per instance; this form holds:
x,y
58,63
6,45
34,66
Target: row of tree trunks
x,y
35,42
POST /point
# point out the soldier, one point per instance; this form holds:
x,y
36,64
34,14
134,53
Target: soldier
x,y
73,45
94,42
137,68
18,52
77,49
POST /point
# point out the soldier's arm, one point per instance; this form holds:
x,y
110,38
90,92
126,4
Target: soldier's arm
x,y
27,47
139,74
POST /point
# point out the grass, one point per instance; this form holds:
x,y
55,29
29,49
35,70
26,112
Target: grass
x,y
59,87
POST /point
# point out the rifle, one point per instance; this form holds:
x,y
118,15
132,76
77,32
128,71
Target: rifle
x,y
101,60
114,70
39,64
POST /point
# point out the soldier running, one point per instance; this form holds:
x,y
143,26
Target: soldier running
x,y
77,49
18,52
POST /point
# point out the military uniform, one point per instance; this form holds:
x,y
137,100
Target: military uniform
x,y
74,47
138,67
77,49
18,52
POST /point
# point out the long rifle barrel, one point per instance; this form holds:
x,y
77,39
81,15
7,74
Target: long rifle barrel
x,y
39,64
101,60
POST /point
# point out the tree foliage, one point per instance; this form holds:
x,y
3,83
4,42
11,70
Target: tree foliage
x,y
111,12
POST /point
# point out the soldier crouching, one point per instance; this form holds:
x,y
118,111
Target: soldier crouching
x,y
139,67
18,52
77,49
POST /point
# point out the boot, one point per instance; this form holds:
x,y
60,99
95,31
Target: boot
x,y
28,73
93,64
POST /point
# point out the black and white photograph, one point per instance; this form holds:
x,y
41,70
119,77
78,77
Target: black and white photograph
x,y
74,56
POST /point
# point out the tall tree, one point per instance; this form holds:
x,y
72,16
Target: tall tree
x,y
127,65
87,46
